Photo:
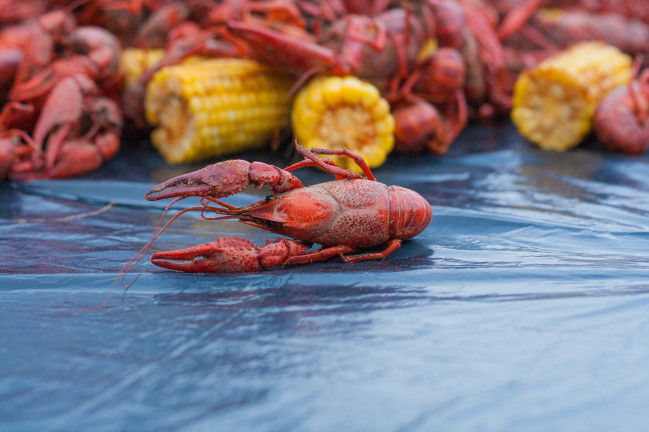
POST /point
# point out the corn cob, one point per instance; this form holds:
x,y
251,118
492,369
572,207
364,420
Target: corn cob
x,y
133,62
344,112
215,107
554,102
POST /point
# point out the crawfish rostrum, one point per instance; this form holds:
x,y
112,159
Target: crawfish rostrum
x,y
344,216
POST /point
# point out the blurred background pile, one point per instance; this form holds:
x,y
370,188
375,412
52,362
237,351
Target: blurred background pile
x,y
210,78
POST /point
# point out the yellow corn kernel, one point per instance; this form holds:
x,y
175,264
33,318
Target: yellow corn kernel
x,y
133,62
344,112
554,102
427,49
214,107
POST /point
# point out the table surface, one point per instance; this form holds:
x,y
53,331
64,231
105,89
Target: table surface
x,y
523,306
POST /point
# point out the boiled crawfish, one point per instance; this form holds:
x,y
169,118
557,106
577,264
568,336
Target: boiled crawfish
x,y
59,120
543,27
621,120
430,109
197,28
70,141
344,216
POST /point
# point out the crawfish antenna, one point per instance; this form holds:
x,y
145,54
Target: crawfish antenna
x,y
157,232
131,263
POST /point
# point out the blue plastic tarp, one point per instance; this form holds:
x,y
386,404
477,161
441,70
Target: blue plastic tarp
x,y
523,306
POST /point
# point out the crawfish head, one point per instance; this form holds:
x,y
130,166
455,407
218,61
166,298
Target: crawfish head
x,y
344,216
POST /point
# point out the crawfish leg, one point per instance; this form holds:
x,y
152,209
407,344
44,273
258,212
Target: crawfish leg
x,y
391,246
331,167
319,256
308,163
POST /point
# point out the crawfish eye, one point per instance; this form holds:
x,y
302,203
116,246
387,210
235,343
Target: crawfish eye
x,y
269,197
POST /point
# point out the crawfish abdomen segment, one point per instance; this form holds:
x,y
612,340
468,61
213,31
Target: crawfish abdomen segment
x,y
410,213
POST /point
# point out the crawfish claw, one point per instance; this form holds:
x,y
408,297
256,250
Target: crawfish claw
x,y
221,255
229,254
217,180
224,179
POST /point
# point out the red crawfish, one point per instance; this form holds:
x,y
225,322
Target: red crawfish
x,y
345,216
430,107
621,121
58,121
371,47
76,132
547,26
273,32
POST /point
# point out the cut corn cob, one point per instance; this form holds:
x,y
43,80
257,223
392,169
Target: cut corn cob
x,y
133,62
554,102
344,112
215,107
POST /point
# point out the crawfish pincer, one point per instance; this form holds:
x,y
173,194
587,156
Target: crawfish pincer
x,y
344,216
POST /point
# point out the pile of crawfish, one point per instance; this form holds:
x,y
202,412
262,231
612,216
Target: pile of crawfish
x,y
59,87
438,62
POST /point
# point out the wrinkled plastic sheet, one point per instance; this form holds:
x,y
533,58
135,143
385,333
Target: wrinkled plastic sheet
x,y
523,306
